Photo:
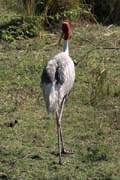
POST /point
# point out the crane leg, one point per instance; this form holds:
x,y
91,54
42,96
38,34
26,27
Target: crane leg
x,y
59,131
63,150
59,136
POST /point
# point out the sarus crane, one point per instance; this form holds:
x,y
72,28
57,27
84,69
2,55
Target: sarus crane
x,y
57,80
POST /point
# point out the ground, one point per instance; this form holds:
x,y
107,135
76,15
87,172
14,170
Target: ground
x,y
91,125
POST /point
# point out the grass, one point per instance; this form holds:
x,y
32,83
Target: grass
x,y
91,124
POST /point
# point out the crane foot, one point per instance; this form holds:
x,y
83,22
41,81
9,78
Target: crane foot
x,y
61,162
64,151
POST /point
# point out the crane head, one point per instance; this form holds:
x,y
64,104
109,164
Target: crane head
x,y
65,31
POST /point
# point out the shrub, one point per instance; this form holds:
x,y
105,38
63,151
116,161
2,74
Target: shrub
x,y
20,28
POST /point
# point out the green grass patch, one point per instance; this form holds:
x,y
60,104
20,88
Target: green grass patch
x,y
90,122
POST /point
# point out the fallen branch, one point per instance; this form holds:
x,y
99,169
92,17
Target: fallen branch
x,y
109,48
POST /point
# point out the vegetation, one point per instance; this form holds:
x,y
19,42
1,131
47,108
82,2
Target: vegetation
x,y
105,11
37,13
90,123
19,28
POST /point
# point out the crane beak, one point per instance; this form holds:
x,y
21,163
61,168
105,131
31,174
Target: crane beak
x,y
61,36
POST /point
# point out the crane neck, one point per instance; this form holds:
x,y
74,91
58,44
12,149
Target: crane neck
x,y
66,47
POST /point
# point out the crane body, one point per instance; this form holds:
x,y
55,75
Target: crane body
x,y
57,80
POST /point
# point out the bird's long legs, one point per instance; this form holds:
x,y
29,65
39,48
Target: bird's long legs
x,y
59,130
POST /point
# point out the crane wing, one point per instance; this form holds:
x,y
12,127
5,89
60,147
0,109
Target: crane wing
x,y
59,70
57,80
54,71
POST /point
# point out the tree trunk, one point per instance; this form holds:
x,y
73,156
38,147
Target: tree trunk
x,y
28,6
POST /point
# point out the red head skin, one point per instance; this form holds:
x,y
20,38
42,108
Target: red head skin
x,y
66,30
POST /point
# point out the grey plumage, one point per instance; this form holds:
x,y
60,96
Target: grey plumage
x,y
57,80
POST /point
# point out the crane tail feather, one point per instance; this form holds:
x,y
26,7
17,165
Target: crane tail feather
x,y
50,97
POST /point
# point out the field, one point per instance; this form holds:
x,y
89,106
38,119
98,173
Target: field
x,y
91,120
